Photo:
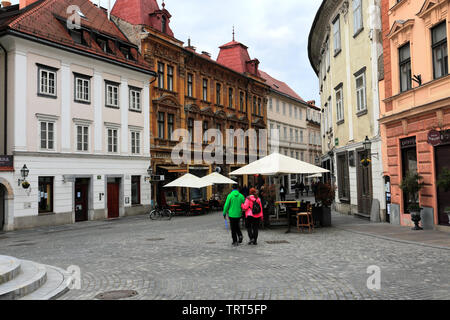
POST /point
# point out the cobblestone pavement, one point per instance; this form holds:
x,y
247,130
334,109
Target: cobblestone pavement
x,y
192,258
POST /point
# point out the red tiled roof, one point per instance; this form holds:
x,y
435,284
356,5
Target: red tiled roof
x,y
234,55
280,86
142,12
41,20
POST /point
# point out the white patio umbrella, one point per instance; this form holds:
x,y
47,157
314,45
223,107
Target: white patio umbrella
x,y
317,175
278,164
217,178
188,181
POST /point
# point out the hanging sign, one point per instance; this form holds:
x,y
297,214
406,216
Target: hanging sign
x,y
434,137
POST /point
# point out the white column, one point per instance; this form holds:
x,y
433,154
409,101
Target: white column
x,y
146,110
65,108
20,95
124,115
98,112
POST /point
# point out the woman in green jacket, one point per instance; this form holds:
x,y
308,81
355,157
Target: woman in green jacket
x,y
233,208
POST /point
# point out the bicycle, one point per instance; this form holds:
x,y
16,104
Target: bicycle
x,y
161,214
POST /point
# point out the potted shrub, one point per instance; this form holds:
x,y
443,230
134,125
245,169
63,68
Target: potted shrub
x,y
25,184
411,185
365,162
444,183
325,194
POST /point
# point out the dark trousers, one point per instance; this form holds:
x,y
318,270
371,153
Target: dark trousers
x,y
283,196
235,229
253,227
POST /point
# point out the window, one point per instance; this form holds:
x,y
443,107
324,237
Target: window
x,y
241,101
404,56
47,136
296,135
218,93
170,125
135,99
45,194
135,190
409,163
47,81
278,106
205,129
190,85
440,50
343,177
112,140
82,89
270,104
339,105
103,44
330,115
301,136
302,156
285,133
284,109
300,114
164,24
82,138
259,107
290,110
205,89
161,125
254,105
112,95
291,134
126,51
135,142
357,16
170,78
160,75
296,112
230,97
328,55
77,36
191,129
337,36
361,92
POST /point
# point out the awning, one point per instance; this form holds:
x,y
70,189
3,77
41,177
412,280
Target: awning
x,y
175,169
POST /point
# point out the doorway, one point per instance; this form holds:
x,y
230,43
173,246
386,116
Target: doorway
x,y
364,182
2,207
443,198
113,194
81,199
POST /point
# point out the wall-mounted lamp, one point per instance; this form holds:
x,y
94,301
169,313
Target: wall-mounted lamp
x,y
24,174
368,147
150,174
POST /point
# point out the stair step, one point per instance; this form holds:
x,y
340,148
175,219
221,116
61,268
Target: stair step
x,y
9,268
31,277
58,281
362,215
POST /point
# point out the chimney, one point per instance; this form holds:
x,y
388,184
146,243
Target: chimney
x,y
6,4
25,3
312,102
206,54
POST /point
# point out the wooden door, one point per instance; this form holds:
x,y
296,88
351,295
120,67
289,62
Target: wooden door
x,y
364,184
443,198
81,201
113,200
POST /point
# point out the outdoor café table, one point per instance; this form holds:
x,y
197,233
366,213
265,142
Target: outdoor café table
x,y
290,205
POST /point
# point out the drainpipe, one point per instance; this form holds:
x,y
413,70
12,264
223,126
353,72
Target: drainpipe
x,y
5,101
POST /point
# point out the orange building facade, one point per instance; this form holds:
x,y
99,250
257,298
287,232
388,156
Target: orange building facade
x,y
415,105
192,88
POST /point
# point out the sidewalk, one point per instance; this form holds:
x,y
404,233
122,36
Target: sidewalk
x,y
432,238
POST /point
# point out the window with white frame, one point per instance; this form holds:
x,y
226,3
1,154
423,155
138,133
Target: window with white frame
x,y
82,137
135,142
339,105
47,135
113,144
357,16
330,114
361,104
112,95
337,35
270,104
47,81
82,88
328,55
135,99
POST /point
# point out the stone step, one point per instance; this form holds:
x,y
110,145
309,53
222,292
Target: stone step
x,y
31,277
362,215
58,282
9,268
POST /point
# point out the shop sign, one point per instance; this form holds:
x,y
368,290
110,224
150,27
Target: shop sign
x,y
434,137
6,163
408,142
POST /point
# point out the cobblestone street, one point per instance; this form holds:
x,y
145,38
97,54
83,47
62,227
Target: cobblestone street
x,y
192,258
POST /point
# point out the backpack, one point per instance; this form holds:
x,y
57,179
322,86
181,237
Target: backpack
x,y
256,207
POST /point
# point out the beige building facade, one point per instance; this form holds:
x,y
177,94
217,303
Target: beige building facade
x,y
344,49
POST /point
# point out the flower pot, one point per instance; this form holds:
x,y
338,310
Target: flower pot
x,y
25,184
415,217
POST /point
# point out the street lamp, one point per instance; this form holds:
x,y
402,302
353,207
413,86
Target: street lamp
x,y
150,173
367,145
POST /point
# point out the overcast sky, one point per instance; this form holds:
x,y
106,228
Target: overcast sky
x,y
276,33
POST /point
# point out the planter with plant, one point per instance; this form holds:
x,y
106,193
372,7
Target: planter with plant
x,y
365,162
411,186
443,182
325,195
25,184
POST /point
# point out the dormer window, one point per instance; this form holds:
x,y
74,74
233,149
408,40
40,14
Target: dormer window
x,y
126,51
103,44
77,36
164,24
